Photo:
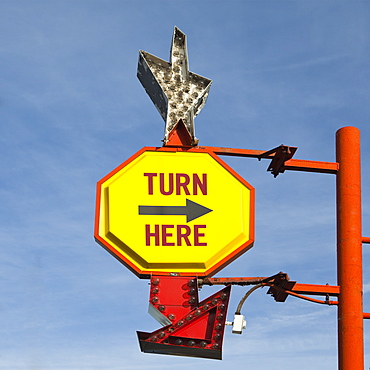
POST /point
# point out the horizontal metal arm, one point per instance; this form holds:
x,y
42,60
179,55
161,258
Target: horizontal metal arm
x,y
327,301
280,287
281,159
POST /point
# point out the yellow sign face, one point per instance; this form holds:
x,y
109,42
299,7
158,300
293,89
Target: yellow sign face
x,y
174,212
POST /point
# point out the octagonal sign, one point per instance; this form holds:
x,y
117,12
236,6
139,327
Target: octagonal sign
x,y
170,212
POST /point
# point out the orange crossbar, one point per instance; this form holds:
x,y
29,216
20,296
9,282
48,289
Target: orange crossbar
x,y
313,289
291,164
234,152
309,289
311,166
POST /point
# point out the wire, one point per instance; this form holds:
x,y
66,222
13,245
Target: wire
x,y
246,295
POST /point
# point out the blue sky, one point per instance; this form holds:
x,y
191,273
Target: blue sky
x,y
72,109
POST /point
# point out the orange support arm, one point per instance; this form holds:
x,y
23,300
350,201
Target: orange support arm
x,y
310,289
311,166
281,159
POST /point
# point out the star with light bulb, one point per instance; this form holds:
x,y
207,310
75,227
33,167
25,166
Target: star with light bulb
x,y
176,92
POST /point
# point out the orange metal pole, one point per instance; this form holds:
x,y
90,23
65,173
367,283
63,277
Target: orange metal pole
x,y
349,250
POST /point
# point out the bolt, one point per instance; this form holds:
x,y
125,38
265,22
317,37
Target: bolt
x,y
192,291
192,300
191,282
218,326
217,336
221,307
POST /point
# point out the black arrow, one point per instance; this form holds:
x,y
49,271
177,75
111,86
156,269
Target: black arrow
x,y
192,210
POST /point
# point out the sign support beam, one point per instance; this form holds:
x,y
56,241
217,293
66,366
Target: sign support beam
x,y
349,250
281,157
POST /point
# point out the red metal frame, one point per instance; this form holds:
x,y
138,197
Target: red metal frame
x,y
172,297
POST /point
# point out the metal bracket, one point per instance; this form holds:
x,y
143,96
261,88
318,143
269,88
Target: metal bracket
x,y
179,136
282,154
279,286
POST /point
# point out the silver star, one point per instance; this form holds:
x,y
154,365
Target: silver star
x,y
176,92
